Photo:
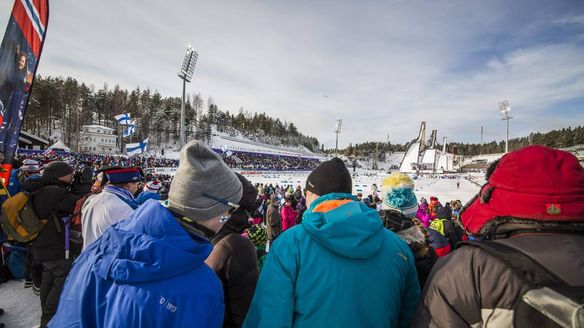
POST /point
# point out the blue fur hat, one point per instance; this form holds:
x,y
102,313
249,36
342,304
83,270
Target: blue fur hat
x,y
124,174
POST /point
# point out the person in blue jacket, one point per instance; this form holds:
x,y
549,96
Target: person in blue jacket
x,y
150,191
339,268
149,270
22,171
14,182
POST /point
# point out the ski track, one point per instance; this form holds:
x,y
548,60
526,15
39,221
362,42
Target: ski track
x,y
22,307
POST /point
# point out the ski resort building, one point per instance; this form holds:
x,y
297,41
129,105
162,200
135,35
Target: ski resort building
x,y
97,139
425,157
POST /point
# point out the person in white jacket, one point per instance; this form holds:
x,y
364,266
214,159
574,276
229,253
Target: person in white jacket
x,y
115,203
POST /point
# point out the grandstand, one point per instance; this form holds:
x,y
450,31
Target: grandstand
x,y
578,151
226,143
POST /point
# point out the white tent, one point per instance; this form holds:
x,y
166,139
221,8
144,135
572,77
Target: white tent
x,y
59,145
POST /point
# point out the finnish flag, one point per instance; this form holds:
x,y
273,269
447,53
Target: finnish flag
x,y
131,129
137,148
124,118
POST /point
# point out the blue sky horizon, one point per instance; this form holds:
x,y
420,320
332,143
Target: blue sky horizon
x,y
381,66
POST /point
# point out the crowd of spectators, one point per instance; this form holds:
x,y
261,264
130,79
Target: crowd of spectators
x,y
235,160
257,161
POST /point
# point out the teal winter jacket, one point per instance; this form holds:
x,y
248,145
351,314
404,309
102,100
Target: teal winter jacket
x,y
339,268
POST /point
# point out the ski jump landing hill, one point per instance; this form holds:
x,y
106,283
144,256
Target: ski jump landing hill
x,y
423,156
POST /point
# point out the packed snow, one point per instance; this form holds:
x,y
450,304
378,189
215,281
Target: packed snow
x,y
22,308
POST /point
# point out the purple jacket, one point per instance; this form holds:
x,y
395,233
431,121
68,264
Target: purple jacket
x,y
423,214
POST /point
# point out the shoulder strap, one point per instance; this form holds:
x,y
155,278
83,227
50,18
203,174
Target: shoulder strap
x,y
523,265
53,215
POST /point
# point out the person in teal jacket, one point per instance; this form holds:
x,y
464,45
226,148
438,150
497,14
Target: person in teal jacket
x,y
339,268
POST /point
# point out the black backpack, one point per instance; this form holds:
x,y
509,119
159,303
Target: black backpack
x,y
550,302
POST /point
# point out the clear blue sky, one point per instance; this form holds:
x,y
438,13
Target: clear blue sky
x,y
382,66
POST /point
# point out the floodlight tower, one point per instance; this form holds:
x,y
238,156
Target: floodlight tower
x,y
186,73
337,131
505,111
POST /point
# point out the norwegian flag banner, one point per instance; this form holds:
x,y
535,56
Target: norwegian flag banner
x,y
20,52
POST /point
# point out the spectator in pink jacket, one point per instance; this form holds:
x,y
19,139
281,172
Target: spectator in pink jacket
x,y
288,214
423,214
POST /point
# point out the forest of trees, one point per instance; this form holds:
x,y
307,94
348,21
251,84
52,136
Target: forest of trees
x,y
563,138
66,104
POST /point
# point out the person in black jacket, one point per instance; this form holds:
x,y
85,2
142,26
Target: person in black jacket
x,y
451,233
234,259
52,202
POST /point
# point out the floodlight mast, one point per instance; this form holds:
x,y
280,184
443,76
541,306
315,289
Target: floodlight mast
x,y
337,131
505,111
186,74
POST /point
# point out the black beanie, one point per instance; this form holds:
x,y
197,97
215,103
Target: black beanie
x,y
248,195
57,169
330,177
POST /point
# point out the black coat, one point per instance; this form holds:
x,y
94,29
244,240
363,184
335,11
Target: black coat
x,y
234,260
424,255
52,203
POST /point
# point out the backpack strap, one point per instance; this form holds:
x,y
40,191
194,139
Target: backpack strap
x,y
53,215
523,265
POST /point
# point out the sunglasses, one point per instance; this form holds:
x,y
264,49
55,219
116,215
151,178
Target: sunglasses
x,y
234,207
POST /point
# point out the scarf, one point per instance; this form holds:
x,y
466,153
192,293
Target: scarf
x,y
123,194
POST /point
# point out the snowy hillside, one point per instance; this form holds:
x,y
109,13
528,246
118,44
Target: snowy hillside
x,y
224,142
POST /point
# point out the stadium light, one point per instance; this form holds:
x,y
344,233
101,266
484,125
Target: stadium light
x,y
186,73
337,131
505,111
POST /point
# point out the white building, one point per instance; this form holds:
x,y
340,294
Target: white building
x,y
97,139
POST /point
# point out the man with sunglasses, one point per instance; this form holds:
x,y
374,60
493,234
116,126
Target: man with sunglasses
x,y
148,270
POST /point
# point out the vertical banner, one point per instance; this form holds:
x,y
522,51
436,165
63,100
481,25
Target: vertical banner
x,y
19,56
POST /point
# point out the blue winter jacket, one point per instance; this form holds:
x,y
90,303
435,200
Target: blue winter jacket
x,y
145,271
14,185
144,196
14,182
339,268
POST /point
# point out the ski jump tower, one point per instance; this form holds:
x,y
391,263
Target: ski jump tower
x,y
409,163
422,156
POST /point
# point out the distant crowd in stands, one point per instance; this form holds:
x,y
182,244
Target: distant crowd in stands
x,y
257,161
235,160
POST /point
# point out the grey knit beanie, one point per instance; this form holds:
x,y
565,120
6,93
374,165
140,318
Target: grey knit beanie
x,y
57,169
201,171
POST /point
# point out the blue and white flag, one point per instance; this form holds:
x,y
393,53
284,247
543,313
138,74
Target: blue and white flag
x,y
129,130
124,118
136,148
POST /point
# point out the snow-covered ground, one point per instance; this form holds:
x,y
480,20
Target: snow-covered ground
x,y
239,143
23,307
443,188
